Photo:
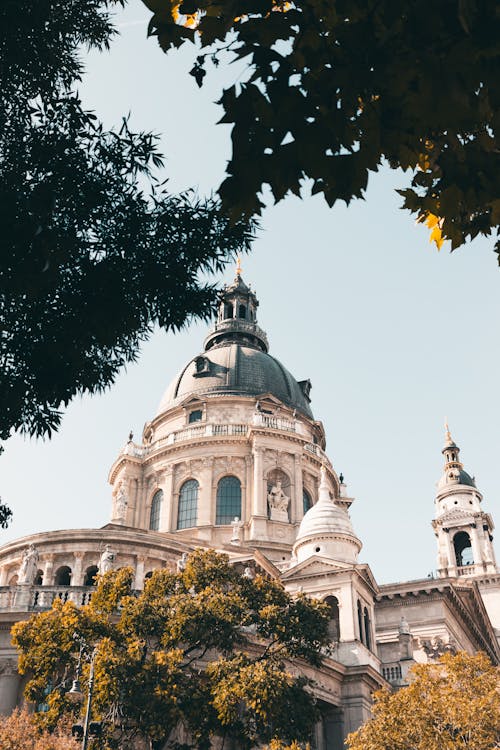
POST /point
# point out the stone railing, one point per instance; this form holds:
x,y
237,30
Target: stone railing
x,y
36,598
214,429
467,570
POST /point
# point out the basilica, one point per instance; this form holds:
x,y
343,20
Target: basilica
x,y
235,460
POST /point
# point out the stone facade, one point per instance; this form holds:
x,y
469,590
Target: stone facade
x,y
234,460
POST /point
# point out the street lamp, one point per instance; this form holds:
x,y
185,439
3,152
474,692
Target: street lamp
x,y
75,694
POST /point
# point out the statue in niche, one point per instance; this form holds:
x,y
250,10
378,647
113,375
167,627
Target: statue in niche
x,y
278,502
107,559
236,536
121,501
29,565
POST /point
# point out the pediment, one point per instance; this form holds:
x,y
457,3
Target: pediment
x,y
192,401
315,566
269,399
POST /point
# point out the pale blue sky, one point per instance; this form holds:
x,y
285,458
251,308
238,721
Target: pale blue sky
x,y
392,334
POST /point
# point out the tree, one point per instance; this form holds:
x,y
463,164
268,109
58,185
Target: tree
x,y
95,252
21,731
450,705
335,89
197,655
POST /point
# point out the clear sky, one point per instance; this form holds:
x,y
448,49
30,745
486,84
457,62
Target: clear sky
x,y
392,334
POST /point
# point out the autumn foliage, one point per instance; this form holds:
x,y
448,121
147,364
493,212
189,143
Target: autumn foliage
x,y
332,90
453,704
202,654
21,731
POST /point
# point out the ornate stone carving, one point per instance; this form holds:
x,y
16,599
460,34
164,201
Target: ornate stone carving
x,y
8,667
436,647
29,565
107,559
236,536
278,503
121,501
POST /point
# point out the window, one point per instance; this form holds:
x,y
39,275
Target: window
x,y
188,504
360,623
306,501
90,576
463,549
368,638
228,500
195,416
38,578
63,576
242,312
154,518
228,310
334,623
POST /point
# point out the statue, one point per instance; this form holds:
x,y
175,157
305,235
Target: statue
x,y
404,628
29,565
107,559
278,503
248,573
121,502
236,537
181,563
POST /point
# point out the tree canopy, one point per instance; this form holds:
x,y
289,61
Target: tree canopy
x,y
197,655
95,252
21,731
335,89
453,704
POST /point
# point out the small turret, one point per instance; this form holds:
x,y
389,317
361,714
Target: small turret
x,y
464,532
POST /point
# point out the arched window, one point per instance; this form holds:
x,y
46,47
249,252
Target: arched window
x,y
463,549
334,623
228,310
368,640
228,500
188,505
154,517
38,578
306,501
90,576
242,312
360,623
63,576
148,575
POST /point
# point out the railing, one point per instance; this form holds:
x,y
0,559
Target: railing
x,y
36,598
392,674
466,570
274,423
212,429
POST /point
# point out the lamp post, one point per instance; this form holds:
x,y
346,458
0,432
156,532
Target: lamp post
x,y
76,694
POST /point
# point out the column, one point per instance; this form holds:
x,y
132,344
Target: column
x,y
9,686
166,508
205,501
139,573
76,573
297,507
3,576
246,500
476,547
48,573
259,497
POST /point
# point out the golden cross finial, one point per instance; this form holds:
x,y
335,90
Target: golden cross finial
x,y
447,428
238,266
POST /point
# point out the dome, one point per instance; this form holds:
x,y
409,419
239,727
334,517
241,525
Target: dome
x,y
236,360
455,476
235,369
326,528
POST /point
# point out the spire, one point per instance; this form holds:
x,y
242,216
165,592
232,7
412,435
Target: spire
x,y
448,438
237,316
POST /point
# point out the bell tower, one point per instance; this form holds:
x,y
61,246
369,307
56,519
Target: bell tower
x,y
464,531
